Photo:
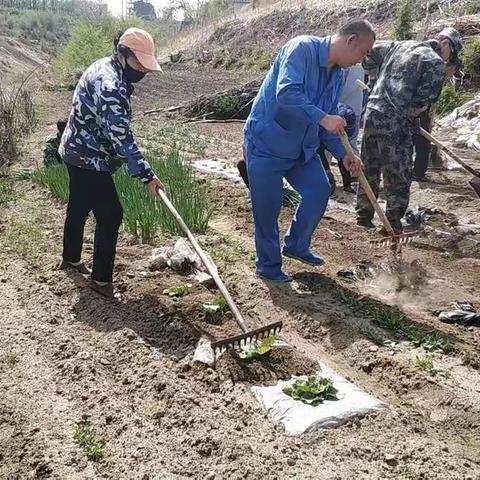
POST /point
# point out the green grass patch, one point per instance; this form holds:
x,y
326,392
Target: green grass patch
x,y
144,215
47,30
7,188
226,248
25,239
93,448
404,20
55,179
394,320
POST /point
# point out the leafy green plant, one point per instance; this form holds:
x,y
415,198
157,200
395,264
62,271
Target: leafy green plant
x,y
471,58
85,437
404,21
426,364
258,348
177,291
55,178
393,319
216,308
450,99
313,390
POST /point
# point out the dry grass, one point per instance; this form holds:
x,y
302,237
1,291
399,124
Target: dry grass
x,y
17,118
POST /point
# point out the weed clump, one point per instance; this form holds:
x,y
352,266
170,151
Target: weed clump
x,y
93,448
450,99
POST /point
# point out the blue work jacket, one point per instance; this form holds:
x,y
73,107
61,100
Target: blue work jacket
x,y
294,97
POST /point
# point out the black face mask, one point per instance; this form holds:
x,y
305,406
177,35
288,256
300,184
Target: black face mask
x,y
131,75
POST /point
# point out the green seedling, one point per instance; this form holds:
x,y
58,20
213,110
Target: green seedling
x,y
93,448
216,308
177,291
313,390
258,348
426,364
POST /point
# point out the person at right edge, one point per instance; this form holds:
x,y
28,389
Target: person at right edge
x,y
409,80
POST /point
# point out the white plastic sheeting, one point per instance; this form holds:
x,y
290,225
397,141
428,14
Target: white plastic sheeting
x,y
298,417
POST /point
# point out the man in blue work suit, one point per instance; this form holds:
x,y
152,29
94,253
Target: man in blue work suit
x,y
298,97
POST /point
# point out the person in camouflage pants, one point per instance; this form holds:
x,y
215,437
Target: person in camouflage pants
x,y
406,78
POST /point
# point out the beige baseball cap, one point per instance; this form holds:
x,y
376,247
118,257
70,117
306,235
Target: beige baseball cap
x,y
141,44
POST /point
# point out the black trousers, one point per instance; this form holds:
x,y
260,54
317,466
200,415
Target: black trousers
x,y
423,147
92,191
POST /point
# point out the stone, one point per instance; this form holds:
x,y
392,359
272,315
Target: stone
x,y
391,460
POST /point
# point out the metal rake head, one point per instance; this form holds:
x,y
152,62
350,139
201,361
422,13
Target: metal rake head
x,y
396,240
239,341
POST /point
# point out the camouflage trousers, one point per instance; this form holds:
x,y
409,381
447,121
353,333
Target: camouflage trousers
x,y
387,150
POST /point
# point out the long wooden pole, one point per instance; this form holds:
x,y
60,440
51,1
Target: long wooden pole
x,y
205,260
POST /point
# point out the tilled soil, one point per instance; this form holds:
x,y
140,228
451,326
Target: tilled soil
x,y
70,357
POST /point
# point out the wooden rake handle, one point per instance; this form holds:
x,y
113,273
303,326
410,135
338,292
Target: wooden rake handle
x,y
451,154
366,187
205,260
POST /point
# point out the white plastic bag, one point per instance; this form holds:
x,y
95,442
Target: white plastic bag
x,y
298,417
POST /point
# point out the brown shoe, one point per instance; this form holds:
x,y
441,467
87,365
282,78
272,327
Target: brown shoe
x,y
80,268
106,290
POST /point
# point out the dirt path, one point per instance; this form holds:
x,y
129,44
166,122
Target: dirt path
x,y
70,360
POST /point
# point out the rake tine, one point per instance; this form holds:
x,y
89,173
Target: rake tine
x,y
245,338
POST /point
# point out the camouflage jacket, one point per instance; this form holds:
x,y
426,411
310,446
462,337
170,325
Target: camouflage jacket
x,y
405,76
98,135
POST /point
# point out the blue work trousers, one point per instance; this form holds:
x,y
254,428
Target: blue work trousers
x,y
266,176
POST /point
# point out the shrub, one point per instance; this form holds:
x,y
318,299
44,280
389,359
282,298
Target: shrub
x,y
472,7
92,40
227,106
450,99
17,117
471,58
404,21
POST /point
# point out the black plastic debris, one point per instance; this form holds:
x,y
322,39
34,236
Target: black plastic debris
x,y
361,272
420,215
463,313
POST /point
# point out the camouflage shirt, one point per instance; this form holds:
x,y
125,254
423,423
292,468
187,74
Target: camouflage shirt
x,y
98,135
405,76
